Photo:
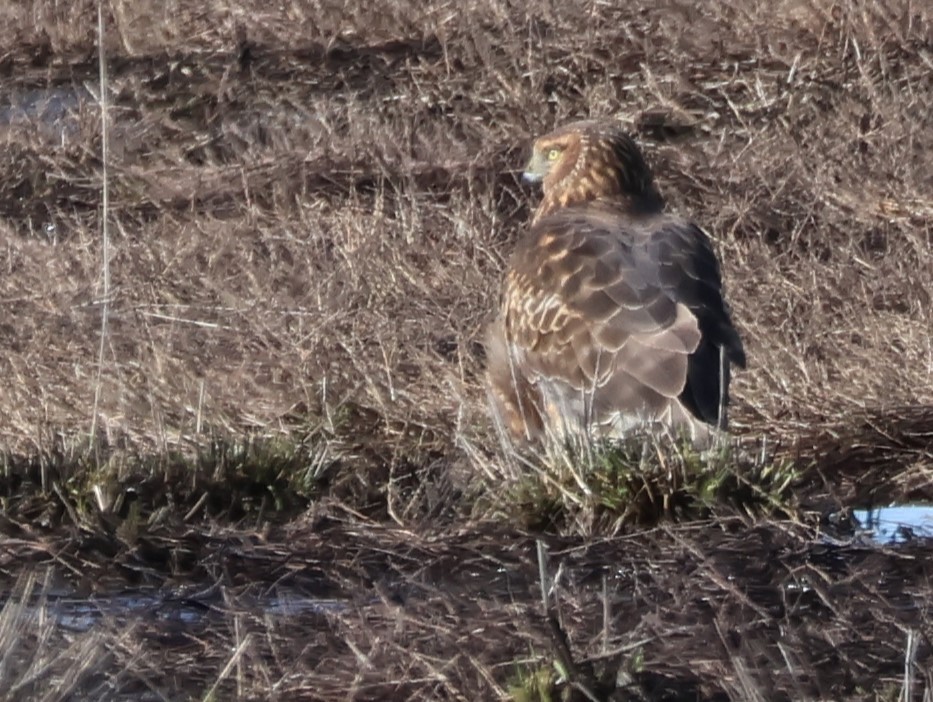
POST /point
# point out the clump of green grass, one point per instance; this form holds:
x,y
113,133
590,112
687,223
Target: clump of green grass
x,y
534,685
228,479
565,680
642,480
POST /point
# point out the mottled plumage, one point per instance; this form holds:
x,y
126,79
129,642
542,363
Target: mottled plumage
x,y
612,316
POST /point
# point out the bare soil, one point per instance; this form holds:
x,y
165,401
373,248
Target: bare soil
x,y
310,206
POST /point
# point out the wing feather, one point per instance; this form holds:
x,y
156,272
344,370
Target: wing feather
x,y
617,308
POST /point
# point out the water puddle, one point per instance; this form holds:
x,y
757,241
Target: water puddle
x,y
53,112
896,524
81,614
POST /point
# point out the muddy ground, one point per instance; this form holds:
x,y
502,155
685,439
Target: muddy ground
x,y
309,209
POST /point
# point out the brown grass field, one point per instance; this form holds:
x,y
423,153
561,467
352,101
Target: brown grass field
x,y
310,209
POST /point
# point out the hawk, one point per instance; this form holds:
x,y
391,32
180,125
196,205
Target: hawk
x,y
612,318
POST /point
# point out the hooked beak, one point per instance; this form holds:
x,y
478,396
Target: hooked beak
x,y
531,178
535,170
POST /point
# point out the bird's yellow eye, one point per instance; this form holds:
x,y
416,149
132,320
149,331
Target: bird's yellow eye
x,y
553,154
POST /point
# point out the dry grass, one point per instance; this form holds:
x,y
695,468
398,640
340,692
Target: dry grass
x,y
731,610
310,212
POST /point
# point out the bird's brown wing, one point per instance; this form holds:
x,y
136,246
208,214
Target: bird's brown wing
x,y
614,309
688,271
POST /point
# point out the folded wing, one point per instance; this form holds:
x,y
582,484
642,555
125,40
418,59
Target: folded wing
x,y
608,317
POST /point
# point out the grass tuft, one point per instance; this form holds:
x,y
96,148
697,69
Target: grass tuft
x,y
252,478
639,481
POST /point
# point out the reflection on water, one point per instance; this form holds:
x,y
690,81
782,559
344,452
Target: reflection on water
x,y
81,614
897,523
52,112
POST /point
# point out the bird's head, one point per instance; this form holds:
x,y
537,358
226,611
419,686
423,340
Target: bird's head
x,y
590,160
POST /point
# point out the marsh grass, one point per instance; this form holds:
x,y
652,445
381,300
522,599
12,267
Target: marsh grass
x,y
253,479
309,215
37,662
308,211
535,685
679,612
609,486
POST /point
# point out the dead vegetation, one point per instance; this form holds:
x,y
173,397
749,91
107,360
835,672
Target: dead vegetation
x,y
309,216
713,610
310,213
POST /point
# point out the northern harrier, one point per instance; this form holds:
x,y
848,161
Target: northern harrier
x,y
612,316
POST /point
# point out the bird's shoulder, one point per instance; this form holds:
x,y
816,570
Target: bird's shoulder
x,y
605,242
